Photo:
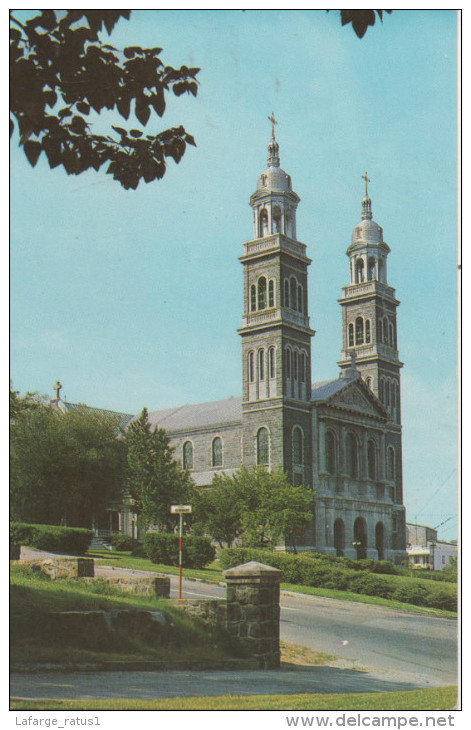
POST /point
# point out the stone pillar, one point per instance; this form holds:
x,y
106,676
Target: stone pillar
x,y
253,610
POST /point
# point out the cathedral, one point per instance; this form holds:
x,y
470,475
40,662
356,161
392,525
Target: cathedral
x,y
342,437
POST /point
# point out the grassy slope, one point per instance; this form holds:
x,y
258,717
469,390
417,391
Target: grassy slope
x,y
441,698
33,639
213,574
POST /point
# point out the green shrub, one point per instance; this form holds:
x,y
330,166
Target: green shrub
x,y
441,598
414,593
53,538
370,585
121,542
385,567
197,551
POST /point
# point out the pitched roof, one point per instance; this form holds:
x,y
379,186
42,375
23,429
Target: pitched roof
x,y
123,418
198,415
326,388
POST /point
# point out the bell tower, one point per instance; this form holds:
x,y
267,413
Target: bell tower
x,y
369,319
369,334
275,332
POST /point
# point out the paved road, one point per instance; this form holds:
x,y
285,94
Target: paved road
x,y
393,649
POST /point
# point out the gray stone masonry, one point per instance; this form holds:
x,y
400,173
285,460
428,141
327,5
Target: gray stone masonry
x,y
253,610
62,567
140,585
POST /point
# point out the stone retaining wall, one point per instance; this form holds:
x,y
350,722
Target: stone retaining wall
x,y
158,585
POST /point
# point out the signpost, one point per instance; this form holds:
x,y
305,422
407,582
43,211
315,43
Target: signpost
x,y
180,509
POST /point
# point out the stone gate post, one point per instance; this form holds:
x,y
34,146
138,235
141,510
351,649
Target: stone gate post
x,y
253,610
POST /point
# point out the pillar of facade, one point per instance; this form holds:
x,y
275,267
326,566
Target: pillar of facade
x,y
253,610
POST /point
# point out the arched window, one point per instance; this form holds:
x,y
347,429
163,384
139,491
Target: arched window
x,y
300,298
371,268
261,364
388,393
391,334
303,367
351,340
276,219
288,362
352,455
262,447
295,365
271,362
286,303
330,453
263,223
380,331
188,455
368,382
371,460
262,293
386,330
359,331
253,298
251,366
359,268
217,451
293,288
381,390
289,224
298,456
367,331
393,395
390,464
271,293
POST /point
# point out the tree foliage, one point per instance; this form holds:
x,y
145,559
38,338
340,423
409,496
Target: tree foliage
x,y
61,73
361,19
258,506
64,467
154,479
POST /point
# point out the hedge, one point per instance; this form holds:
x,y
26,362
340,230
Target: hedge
x,y
312,569
162,548
121,542
53,538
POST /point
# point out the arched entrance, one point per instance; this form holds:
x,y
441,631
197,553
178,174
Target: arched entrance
x,y
339,537
379,540
360,540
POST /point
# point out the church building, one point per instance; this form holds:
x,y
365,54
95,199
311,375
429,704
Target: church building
x,y
342,437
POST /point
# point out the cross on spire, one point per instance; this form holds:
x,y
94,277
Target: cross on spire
x,y
273,122
367,180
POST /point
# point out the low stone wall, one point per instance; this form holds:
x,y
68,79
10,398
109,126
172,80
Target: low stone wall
x,y
212,611
57,568
158,585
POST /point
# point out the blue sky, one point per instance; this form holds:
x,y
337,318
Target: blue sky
x,y
133,299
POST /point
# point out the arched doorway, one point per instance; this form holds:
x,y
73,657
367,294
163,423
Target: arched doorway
x,y
339,537
360,540
379,540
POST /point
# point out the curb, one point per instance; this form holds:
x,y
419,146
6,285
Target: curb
x,y
136,666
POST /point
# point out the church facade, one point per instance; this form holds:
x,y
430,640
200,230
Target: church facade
x,y
342,437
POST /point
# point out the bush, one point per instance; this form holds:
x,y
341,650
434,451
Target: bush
x,y
121,542
370,585
441,598
413,593
162,548
53,538
385,567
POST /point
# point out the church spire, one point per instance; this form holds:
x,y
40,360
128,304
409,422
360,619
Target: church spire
x,y
273,146
366,212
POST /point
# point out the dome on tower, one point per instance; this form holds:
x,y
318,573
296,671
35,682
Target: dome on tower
x,y
368,231
274,178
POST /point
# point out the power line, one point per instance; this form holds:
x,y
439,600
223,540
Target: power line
x,y
436,492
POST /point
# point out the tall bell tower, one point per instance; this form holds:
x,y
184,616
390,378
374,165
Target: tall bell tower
x,y
369,334
276,336
369,313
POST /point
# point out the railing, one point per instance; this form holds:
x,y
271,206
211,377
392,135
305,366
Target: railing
x,y
274,241
369,287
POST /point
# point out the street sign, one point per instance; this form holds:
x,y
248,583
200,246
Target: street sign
x,y
180,509
177,509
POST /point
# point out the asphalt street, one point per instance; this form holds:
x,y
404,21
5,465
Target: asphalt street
x,y
379,649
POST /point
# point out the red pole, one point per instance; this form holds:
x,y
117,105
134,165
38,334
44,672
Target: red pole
x,y
180,560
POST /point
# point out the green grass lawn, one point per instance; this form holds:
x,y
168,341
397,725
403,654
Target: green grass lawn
x,y
213,574
441,698
33,596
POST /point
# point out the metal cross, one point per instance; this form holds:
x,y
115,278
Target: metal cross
x,y
367,180
57,388
273,122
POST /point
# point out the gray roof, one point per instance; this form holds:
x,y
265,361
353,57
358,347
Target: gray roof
x,y
198,415
123,418
326,388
